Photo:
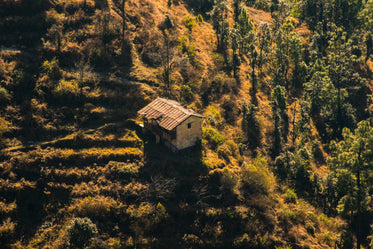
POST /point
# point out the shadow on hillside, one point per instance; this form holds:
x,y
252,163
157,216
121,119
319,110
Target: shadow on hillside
x,y
158,159
186,167
30,211
23,22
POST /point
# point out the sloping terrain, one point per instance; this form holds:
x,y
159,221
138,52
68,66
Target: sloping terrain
x,y
70,88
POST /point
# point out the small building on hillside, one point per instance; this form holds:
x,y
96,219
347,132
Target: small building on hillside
x,y
177,127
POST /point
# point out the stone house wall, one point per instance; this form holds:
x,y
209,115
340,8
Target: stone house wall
x,y
188,132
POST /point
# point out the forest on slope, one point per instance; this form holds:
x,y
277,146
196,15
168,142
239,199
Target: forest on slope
x,y
286,155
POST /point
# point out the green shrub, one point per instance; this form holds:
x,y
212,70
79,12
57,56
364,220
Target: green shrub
x,y
128,170
4,95
327,238
213,136
231,110
211,120
192,241
80,232
191,52
288,216
218,82
233,147
224,151
186,93
183,47
214,116
189,22
256,178
229,148
67,88
290,196
228,181
189,48
160,212
114,243
199,19
325,219
52,69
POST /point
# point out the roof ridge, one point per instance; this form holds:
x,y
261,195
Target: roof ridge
x,y
176,104
169,113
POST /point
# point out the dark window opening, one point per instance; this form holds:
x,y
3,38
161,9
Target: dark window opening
x,y
189,125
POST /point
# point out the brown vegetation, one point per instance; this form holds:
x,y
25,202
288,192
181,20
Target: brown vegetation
x,y
73,147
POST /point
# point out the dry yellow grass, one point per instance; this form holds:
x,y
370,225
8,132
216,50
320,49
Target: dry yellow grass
x,y
7,185
370,66
203,36
92,155
259,16
94,206
304,32
304,219
213,161
138,211
6,208
101,152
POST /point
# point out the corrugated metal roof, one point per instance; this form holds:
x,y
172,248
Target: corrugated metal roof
x,y
167,113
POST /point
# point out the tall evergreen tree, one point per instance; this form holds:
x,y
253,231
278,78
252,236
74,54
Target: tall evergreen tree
x,y
244,26
296,59
369,45
251,125
219,15
236,7
263,42
355,154
280,119
119,7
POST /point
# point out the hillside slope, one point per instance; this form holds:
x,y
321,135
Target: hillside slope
x,y
70,88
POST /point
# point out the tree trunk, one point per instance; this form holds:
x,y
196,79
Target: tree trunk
x,y
358,239
294,113
358,183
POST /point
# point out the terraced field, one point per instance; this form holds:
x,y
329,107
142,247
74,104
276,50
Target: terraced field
x,y
56,180
114,174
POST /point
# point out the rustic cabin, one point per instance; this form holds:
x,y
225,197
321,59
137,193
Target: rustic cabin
x,y
177,127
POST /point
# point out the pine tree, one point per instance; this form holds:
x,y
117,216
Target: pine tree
x,y
354,154
119,6
263,42
244,26
251,125
220,24
280,119
369,45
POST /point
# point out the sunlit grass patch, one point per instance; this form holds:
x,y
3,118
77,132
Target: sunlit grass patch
x,y
12,186
7,208
95,206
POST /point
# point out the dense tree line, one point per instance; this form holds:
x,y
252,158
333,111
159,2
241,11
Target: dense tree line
x,y
325,76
